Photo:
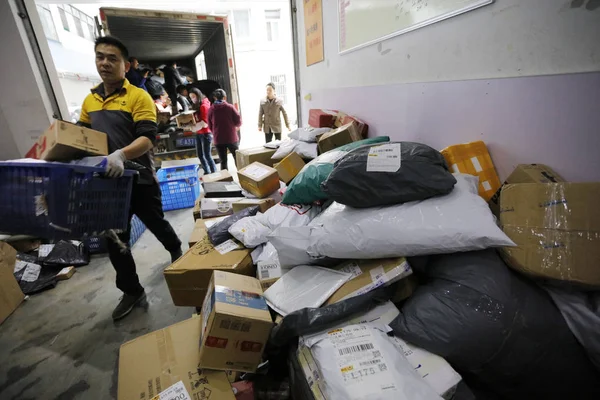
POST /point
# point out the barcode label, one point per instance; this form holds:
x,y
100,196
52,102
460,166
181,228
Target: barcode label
x,y
372,362
356,349
264,274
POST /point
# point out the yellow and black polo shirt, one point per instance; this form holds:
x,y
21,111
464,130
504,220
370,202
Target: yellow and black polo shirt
x,y
124,115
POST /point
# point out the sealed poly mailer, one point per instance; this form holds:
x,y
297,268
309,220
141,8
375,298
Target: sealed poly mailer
x,y
236,323
166,362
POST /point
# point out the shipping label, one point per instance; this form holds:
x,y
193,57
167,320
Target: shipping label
x,y
353,269
174,392
255,171
268,270
227,246
384,158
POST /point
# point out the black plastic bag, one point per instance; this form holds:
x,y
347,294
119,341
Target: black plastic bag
x,y
66,253
219,232
501,332
32,277
358,181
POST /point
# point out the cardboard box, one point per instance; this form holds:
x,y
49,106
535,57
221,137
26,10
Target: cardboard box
x,y
525,173
405,287
236,323
189,276
186,120
65,273
163,117
263,204
217,207
474,159
222,189
342,118
64,141
338,137
556,227
259,179
268,273
201,226
261,154
197,210
369,275
10,292
155,362
221,176
319,118
313,376
289,167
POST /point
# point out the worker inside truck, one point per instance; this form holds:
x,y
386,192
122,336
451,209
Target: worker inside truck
x,y
127,115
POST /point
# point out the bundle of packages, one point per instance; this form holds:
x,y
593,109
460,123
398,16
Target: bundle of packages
x,y
306,186
502,333
386,174
459,221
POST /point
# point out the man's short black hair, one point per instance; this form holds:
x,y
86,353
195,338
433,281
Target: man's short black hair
x,y
113,41
219,94
271,84
132,59
181,88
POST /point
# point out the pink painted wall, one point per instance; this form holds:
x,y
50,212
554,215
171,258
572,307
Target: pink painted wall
x,y
554,120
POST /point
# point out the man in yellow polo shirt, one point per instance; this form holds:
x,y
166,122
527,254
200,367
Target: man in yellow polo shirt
x,y
128,116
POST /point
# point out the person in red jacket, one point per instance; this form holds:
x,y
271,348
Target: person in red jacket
x,y
223,121
204,137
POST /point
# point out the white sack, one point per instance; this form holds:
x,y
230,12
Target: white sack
x,y
285,148
291,243
459,221
265,253
249,231
308,134
306,150
304,287
359,362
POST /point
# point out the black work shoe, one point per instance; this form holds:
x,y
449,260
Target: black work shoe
x,y
175,255
126,304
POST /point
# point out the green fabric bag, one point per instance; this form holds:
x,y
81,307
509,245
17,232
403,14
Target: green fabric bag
x,y
305,188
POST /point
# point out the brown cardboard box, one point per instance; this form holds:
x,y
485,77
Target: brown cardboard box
x,y
319,118
261,154
342,118
259,179
369,275
221,176
404,288
263,204
10,292
556,227
163,117
338,137
217,206
189,276
154,362
236,323
289,167
64,141
525,173
198,207
186,120
268,273
65,273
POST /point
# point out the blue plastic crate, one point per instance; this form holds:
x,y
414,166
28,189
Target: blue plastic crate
x,y
97,244
61,201
180,186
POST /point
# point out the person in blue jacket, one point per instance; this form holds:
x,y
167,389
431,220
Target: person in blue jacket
x,y
134,76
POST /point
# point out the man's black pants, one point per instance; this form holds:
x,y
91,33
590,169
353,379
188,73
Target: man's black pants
x,y
269,135
222,151
146,203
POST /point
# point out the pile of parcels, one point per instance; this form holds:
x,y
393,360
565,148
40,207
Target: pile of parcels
x,y
382,270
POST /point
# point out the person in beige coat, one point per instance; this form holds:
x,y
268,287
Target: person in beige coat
x,y
269,116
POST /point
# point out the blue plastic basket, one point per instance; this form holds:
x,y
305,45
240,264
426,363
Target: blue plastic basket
x,y
61,201
97,244
180,186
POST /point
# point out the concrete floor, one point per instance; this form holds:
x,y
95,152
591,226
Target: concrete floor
x,y
62,343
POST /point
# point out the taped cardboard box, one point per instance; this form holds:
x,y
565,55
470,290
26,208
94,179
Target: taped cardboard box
x,y
10,292
65,273
186,120
217,207
320,118
525,173
368,275
165,360
221,176
263,204
556,227
474,159
189,276
261,154
259,179
289,167
338,137
269,272
342,118
236,323
64,141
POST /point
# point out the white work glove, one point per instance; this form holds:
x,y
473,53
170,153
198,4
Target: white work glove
x,y
114,164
